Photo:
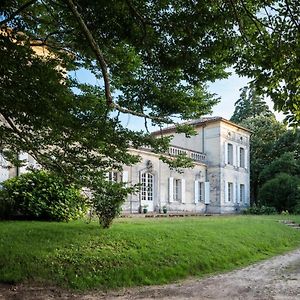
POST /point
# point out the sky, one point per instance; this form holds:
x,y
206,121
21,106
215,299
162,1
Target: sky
x,y
227,89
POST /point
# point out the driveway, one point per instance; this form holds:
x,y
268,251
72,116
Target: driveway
x,y
276,278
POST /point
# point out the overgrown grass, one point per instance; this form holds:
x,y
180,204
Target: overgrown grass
x,y
137,251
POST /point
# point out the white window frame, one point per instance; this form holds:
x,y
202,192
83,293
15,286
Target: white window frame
x,y
230,192
147,186
242,193
242,157
230,156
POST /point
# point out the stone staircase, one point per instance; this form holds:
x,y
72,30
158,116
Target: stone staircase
x,y
290,223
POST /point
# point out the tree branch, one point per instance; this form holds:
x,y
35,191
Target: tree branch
x,y
23,7
100,58
34,152
95,48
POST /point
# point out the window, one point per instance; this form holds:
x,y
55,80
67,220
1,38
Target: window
x,y
177,190
242,193
201,191
114,176
230,192
147,181
242,157
230,154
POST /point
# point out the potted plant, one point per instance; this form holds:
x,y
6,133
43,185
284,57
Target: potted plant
x,y
164,209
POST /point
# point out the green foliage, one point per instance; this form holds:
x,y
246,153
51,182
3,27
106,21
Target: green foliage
x,y
107,200
266,130
286,163
6,206
42,195
260,210
160,56
282,192
137,252
250,105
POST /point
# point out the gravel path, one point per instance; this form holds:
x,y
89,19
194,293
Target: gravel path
x,y
276,278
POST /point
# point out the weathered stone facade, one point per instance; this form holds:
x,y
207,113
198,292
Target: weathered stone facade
x,y
222,178
218,183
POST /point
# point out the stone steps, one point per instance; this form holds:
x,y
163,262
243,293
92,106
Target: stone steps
x,y
290,223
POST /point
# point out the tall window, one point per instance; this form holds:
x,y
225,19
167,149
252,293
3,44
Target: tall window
x,y
114,176
177,190
242,193
201,191
242,157
147,181
230,192
230,154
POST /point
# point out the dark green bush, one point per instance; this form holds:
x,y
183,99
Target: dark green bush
x,y
41,195
6,206
107,200
260,210
282,192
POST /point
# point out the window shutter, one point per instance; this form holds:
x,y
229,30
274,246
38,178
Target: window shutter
x,y
226,153
234,199
182,190
206,192
233,155
226,192
125,178
246,159
238,156
171,189
196,183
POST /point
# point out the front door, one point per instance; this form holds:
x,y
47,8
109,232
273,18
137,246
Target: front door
x,y
147,191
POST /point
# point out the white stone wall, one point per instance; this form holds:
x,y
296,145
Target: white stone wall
x,y
162,174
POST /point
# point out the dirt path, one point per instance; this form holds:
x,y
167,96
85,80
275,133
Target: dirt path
x,y
277,278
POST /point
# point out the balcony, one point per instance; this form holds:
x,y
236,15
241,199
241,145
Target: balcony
x,y
194,155
174,151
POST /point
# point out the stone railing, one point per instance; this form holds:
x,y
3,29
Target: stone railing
x,y
174,151
194,155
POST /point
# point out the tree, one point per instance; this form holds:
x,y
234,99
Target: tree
x,y
250,104
266,130
286,163
282,192
153,60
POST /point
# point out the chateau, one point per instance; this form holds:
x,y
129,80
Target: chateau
x,y
219,182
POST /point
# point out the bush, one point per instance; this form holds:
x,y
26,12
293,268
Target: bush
x,y
282,192
41,195
107,200
260,210
6,206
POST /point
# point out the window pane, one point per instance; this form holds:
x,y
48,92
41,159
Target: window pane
x,y
230,154
242,157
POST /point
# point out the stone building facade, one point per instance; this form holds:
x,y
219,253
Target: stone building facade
x,y
219,182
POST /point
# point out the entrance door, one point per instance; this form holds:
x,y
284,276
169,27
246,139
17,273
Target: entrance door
x,y
147,190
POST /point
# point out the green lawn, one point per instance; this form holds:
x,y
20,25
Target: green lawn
x,y
137,251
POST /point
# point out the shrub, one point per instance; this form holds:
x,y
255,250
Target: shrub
x,y
107,200
6,206
42,195
282,192
260,210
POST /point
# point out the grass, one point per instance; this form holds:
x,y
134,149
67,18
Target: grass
x,y
137,251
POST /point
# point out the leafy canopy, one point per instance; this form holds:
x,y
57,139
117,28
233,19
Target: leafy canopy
x,y
152,59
